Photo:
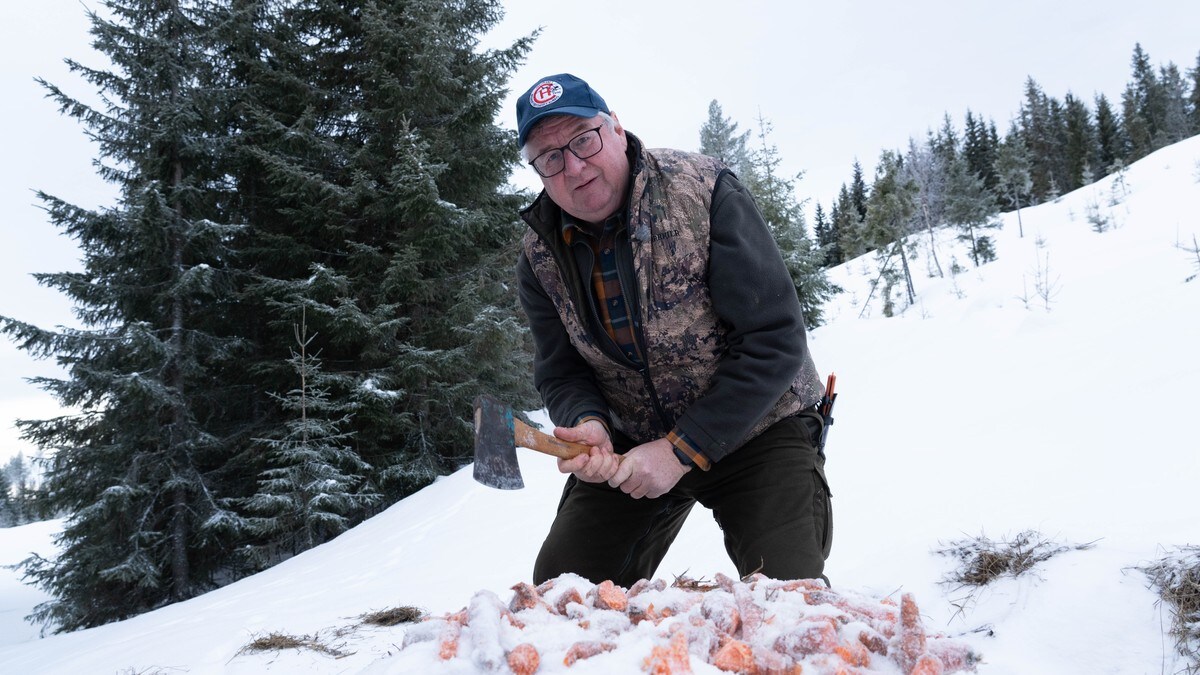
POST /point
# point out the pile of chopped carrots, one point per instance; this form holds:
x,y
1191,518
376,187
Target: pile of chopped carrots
x,y
757,625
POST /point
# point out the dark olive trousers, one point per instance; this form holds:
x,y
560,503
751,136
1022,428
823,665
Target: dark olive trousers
x,y
770,499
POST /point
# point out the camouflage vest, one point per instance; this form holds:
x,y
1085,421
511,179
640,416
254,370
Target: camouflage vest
x,y
668,225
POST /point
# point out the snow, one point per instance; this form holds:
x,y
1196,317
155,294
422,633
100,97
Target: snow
x,y
973,413
16,598
371,386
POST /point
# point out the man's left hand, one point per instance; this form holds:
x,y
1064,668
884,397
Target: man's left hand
x,y
649,470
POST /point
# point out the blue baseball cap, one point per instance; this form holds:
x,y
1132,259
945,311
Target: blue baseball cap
x,y
561,94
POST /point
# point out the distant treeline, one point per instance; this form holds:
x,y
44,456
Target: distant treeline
x,y
22,497
1051,148
957,180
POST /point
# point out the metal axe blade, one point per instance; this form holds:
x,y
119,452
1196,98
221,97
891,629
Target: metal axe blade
x,y
497,435
495,453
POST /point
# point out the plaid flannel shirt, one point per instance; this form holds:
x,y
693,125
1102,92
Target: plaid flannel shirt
x,y
617,319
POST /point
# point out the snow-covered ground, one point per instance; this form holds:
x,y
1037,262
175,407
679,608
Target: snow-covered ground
x,y
977,412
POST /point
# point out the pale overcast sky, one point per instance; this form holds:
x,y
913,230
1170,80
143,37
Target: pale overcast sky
x,y
838,80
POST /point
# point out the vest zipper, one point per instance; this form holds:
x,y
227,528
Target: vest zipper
x,y
624,267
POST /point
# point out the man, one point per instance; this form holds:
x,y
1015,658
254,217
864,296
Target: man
x,y
669,338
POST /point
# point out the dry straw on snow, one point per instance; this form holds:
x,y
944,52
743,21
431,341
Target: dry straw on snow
x,y
279,642
983,560
393,616
1176,577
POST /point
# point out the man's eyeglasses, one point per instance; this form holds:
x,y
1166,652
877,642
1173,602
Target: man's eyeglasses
x,y
552,162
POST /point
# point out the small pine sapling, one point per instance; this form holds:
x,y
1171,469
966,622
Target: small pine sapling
x,y
1100,222
1194,250
1045,284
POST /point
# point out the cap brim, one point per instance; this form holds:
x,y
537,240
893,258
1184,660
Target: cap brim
x,y
573,110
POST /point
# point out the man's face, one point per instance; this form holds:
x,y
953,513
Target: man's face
x,y
590,189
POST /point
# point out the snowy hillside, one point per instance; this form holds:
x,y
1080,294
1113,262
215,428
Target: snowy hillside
x,y
986,408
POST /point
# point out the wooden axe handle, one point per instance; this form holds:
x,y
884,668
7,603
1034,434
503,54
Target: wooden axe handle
x,y
528,437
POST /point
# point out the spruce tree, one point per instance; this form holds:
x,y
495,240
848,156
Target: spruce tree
x,y
1081,148
846,222
890,209
993,148
9,515
775,196
1056,161
1110,141
313,488
836,255
18,492
1043,129
261,145
139,468
979,149
858,191
1194,97
1143,107
1176,124
826,237
377,172
719,138
1012,168
970,207
945,143
851,209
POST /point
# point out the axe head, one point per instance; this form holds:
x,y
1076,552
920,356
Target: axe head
x,y
495,450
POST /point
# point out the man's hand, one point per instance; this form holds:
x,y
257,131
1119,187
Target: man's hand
x,y
600,463
649,470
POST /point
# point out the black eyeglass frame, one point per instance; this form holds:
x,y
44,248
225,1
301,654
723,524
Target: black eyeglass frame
x,y
567,147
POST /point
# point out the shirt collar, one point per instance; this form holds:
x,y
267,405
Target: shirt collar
x,y
572,227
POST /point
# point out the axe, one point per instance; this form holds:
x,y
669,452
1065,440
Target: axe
x,y
497,435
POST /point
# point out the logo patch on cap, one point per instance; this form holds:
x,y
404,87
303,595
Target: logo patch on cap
x,y
545,93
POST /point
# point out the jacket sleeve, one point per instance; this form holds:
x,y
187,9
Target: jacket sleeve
x,y
753,293
560,374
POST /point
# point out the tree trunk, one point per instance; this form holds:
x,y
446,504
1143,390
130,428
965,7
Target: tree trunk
x,y
180,571
1020,225
874,284
908,282
932,240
